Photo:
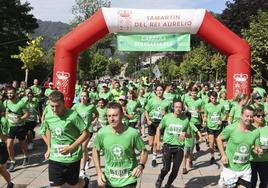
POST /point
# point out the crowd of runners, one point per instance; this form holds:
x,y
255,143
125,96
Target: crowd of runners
x,y
117,116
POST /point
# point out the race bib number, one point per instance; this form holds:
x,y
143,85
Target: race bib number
x,y
119,172
240,158
226,107
215,118
175,129
14,119
57,147
194,113
264,142
157,114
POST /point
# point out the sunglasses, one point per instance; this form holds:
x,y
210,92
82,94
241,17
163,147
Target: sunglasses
x,y
259,116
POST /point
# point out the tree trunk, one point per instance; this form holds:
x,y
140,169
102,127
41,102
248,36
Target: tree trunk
x,y
26,76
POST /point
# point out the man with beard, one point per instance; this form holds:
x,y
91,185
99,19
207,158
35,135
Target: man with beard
x,y
241,138
16,114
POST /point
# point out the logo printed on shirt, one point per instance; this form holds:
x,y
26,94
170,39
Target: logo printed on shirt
x,y
117,152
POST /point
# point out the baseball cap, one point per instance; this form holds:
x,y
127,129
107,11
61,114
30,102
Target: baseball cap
x,y
122,97
50,83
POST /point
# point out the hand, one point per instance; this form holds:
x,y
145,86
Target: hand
x,y
182,136
47,154
101,179
204,125
137,171
224,159
149,122
66,150
259,151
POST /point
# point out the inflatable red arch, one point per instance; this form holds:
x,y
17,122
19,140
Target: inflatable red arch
x,y
194,21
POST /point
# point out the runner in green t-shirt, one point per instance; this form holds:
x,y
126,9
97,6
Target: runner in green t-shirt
x,y
175,126
66,132
31,121
265,104
235,112
102,110
195,107
155,110
4,153
105,93
143,101
16,113
212,120
133,108
259,164
236,158
119,143
89,114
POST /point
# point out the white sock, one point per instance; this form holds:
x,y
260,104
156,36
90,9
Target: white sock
x,y
154,155
211,155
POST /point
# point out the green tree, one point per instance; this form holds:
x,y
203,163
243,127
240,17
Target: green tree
x,y
257,37
92,64
31,55
83,9
15,22
196,63
218,65
114,67
238,12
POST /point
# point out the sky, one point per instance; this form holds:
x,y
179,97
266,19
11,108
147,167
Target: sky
x,y
61,10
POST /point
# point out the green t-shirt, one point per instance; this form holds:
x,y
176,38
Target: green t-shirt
x,y
186,98
107,96
102,118
93,96
116,94
173,126
157,108
48,91
119,153
36,91
33,110
86,112
14,111
132,108
266,112
64,130
195,108
226,104
239,146
189,142
214,114
143,101
264,145
170,96
235,113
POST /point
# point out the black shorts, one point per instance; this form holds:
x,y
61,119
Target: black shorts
x,y
3,153
18,132
216,133
152,128
61,173
31,125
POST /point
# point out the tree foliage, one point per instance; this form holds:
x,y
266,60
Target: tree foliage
x,y
15,23
238,12
32,54
83,9
114,67
257,37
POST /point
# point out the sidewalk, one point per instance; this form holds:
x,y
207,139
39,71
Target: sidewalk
x,y
35,175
